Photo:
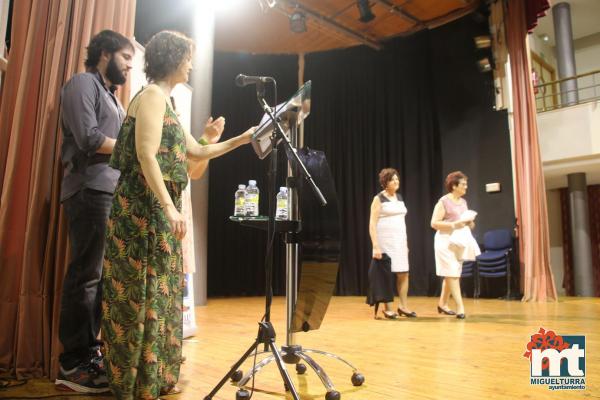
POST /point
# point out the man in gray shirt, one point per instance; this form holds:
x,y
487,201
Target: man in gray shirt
x,y
91,119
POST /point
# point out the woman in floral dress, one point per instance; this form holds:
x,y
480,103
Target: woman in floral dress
x,y
142,275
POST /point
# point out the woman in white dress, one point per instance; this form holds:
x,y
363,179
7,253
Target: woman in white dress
x,y
448,216
388,235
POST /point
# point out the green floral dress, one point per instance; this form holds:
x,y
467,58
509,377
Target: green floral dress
x,y
142,276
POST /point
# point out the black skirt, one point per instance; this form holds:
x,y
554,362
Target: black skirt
x,y
381,281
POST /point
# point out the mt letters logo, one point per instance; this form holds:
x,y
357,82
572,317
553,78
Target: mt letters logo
x,y
557,361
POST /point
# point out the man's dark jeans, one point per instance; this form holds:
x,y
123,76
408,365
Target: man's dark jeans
x,y
80,311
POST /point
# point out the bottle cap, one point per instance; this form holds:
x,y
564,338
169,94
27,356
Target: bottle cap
x,y
241,186
251,182
283,189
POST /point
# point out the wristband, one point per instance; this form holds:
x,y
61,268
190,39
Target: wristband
x,y
202,141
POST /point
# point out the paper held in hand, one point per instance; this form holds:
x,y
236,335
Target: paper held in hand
x,y
468,216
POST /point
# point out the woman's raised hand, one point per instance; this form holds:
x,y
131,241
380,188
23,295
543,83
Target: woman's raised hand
x,y
213,130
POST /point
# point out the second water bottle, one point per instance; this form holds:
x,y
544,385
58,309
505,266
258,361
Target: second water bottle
x,y
282,204
252,195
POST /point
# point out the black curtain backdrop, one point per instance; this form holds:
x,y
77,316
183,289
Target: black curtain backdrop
x,y
420,106
235,253
474,137
373,110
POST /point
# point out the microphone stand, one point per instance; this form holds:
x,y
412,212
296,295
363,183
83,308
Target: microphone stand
x,y
266,332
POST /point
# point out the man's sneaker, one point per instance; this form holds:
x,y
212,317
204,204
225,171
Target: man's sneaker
x,y
97,358
85,378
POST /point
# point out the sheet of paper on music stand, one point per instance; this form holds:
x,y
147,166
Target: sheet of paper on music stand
x,y
295,110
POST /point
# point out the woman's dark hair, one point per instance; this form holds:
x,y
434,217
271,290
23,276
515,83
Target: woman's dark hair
x,y
108,41
165,52
386,175
453,179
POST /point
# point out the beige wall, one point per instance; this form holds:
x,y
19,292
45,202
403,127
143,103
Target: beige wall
x,y
587,53
570,132
544,50
587,58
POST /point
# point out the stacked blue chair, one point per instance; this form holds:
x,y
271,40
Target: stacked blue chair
x,y
469,270
494,262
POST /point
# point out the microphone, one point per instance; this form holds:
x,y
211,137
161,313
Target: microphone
x,y
243,80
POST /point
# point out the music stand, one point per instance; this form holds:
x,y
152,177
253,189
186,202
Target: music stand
x,y
290,114
281,125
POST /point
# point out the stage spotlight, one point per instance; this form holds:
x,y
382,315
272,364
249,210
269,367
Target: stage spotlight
x,y
485,64
364,8
485,57
297,22
483,42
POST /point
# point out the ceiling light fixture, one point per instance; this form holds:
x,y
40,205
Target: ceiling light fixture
x,y
364,9
297,22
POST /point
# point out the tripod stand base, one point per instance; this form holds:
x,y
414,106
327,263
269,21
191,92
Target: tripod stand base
x,y
296,353
333,395
266,336
236,376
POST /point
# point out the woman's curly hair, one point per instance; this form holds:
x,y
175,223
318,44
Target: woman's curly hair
x,y
386,175
165,51
453,179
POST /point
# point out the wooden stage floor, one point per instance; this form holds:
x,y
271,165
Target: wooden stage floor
x,y
429,357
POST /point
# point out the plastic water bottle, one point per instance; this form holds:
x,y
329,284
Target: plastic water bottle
x,y
239,210
282,204
252,195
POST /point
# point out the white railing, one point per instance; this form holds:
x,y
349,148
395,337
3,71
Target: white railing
x,y
548,96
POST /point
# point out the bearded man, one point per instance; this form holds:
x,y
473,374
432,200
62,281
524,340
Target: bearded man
x,y
91,119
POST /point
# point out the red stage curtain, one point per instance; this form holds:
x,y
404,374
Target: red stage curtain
x,y
48,47
534,10
534,238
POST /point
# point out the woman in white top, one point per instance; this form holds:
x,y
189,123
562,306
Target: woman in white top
x,y
447,218
388,235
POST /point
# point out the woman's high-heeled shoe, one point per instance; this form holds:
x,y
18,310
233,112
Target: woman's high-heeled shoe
x,y
390,314
410,314
443,311
461,316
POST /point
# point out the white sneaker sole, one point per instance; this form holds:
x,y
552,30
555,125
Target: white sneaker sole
x,y
79,388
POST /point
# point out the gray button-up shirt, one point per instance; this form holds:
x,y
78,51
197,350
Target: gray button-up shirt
x,y
90,112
